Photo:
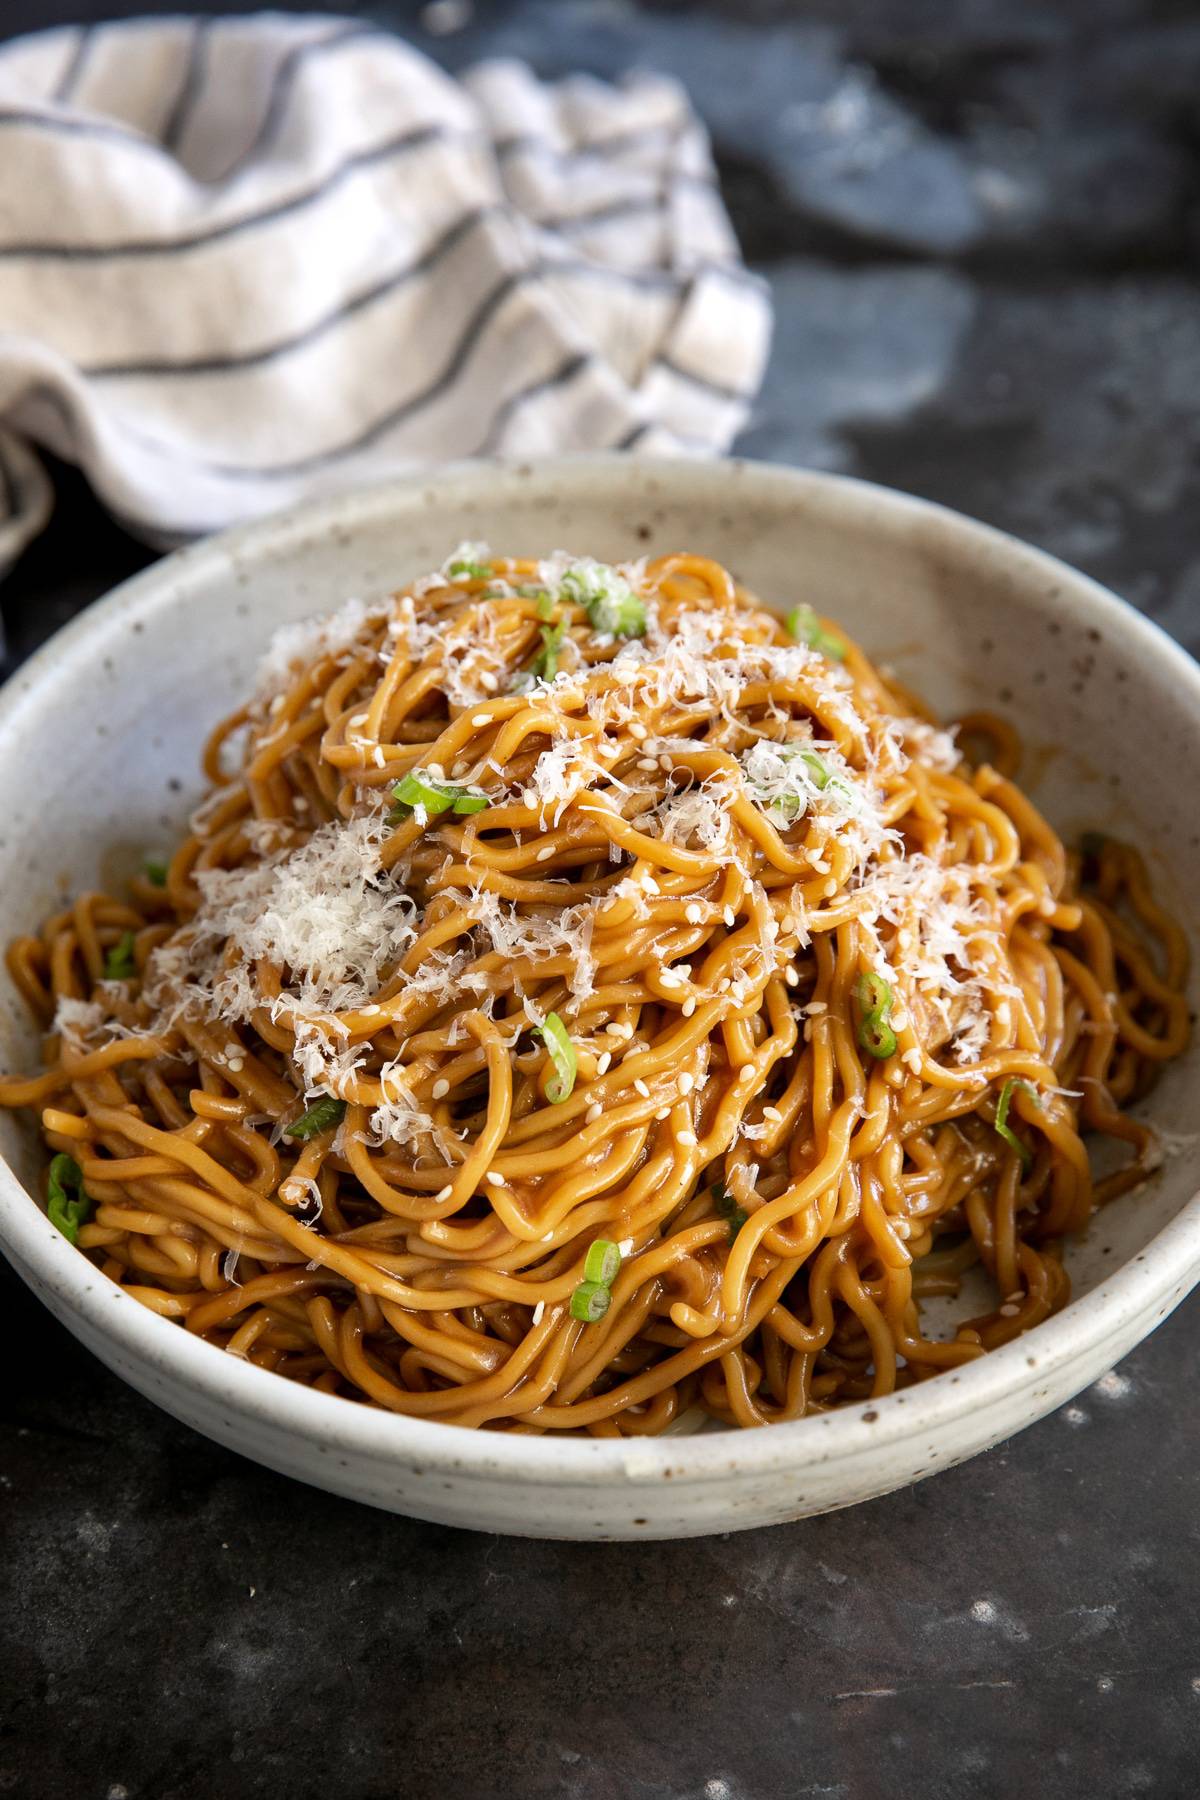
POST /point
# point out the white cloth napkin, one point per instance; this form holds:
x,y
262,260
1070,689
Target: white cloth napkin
x,y
246,260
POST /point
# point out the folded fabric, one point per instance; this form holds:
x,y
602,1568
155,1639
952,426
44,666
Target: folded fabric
x,y
247,260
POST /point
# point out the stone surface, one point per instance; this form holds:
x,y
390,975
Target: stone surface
x,y
980,219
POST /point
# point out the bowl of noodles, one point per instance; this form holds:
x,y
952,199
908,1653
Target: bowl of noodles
x,y
603,999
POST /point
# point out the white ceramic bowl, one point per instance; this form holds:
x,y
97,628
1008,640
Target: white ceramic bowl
x,y
99,738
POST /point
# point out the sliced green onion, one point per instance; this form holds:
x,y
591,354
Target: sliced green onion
x,y
156,871
804,625
469,571
817,767
728,1209
602,1262
544,666
618,617
67,1206
875,1001
119,964
823,779
877,1037
562,1054
416,789
1003,1128
874,994
547,605
319,1117
590,1301
610,603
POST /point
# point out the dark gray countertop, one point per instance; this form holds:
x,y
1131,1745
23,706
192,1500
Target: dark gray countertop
x,y
981,221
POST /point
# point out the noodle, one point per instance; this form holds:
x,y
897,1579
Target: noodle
x,y
833,1007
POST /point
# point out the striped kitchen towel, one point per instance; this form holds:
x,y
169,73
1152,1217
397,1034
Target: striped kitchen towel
x,y
247,260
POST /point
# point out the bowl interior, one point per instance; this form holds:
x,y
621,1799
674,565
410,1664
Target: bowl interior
x,y
101,733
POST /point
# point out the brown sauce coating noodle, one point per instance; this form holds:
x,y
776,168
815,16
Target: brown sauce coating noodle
x,y
716,1032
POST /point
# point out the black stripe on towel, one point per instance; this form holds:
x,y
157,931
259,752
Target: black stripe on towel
x,y
654,280
615,210
284,80
73,67
399,145
54,125
468,341
716,388
566,371
249,359
195,71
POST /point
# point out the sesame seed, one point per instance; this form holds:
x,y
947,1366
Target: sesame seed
x,y
791,977
817,1006
693,913
647,762
637,730
651,886
488,682
445,1193
664,1112
641,1088
538,1312
730,916
687,1139
300,803
912,1060
687,1082
688,1008
380,756
773,1113
440,1089
545,853
358,719
371,1010
480,719
830,889
1008,1311
236,1065
593,1112
669,979
604,1063
495,1179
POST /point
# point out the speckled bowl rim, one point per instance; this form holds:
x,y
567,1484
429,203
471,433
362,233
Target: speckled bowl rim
x,y
1170,1260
